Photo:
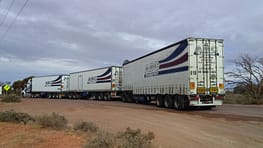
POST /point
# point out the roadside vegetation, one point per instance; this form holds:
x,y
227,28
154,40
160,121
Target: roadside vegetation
x,y
248,80
14,117
85,127
53,121
11,98
124,139
238,98
96,138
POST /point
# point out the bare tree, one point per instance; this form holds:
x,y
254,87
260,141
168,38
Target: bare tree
x,y
248,73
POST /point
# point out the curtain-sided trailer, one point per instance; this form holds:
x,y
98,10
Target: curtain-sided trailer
x,y
102,84
55,86
187,73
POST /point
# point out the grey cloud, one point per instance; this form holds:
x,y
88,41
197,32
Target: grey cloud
x,y
88,34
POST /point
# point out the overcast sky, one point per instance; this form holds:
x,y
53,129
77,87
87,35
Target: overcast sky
x,y
63,36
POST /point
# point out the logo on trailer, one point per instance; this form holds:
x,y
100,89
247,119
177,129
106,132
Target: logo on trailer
x,y
56,82
170,64
103,78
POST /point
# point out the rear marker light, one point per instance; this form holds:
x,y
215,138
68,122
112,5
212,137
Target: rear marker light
x,y
192,85
221,86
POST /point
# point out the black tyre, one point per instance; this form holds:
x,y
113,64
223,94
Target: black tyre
x,y
124,97
160,101
106,97
168,102
177,103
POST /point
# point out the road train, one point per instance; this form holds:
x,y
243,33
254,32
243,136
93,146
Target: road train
x,y
184,74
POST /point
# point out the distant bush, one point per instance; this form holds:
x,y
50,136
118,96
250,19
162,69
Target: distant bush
x,y
85,127
12,116
11,98
53,121
125,139
232,98
102,140
134,139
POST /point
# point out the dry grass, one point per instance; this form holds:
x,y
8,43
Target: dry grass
x,y
124,139
53,121
12,116
232,98
85,127
11,99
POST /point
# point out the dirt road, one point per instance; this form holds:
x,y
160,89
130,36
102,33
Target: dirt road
x,y
226,126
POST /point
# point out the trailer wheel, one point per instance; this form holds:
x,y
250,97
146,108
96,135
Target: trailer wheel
x,y
124,97
177,103
148,99
186,103
100,97
159,101
168,102
129,97
106,97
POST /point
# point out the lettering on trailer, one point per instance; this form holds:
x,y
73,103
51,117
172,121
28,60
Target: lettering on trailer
x,y
103,78
170,64
56,82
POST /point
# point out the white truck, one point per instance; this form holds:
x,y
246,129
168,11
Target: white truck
x,y
187,73
102,84
54,86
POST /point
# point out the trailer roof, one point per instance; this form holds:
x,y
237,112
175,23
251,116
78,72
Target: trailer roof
x,y
50,75
94,69
171,45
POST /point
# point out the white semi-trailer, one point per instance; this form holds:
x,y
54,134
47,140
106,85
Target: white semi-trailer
x,y
187,73
55,86
101,84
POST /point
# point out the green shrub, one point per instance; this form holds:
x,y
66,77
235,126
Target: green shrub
x,y
11,98
85,127
102,140
135,139
12,116
53,121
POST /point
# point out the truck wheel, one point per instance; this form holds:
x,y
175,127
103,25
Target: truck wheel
x,y
124,97
148,99
186,103
159,101
177,103
105,97
130,98
168,102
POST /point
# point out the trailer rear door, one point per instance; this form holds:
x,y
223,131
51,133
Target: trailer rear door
x,y
206,67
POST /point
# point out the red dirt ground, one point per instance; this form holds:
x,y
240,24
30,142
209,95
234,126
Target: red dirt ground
x,y
25,136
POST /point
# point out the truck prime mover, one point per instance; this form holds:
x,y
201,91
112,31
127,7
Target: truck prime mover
x,y
187,73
